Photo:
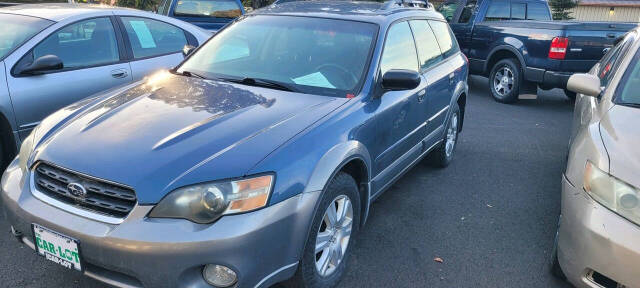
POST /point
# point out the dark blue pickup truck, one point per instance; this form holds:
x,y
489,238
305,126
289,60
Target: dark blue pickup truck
x,y
517,45
207,14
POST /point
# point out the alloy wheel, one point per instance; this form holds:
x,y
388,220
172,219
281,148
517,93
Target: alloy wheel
x,y
452,134
333,235
503,81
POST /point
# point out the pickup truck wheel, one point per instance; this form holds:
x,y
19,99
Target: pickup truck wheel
x,y
570,94
443,154
333,229
504,80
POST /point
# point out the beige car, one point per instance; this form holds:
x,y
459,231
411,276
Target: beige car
x,y
598,240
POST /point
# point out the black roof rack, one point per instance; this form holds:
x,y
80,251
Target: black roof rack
x,y
394,4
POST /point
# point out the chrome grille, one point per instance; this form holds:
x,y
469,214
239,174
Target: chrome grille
x,y
99,196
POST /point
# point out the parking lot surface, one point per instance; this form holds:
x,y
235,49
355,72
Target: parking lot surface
x,y
490,216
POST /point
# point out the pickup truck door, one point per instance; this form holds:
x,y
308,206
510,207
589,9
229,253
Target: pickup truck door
x,y
462,22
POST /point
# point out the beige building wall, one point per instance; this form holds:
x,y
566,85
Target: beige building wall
x,y
599,13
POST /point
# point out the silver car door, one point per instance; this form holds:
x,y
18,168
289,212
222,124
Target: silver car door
x,y
155,45
92,63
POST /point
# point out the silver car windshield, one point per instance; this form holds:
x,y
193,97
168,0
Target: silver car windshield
x,y
310,55
630,95
17,29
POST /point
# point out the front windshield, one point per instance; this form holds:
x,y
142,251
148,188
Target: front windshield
x,y
16,29
312,55
630,93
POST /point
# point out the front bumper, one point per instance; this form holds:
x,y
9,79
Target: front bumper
x,y
593,239
263,247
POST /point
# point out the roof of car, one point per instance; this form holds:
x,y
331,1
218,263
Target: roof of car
x,y
348,10
56,11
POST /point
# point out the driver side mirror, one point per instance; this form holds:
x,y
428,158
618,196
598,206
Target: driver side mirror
x,y
585,84
42,64
398,80
187,49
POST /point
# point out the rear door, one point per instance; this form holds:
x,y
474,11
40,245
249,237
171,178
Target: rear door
x,y
92,61
153,45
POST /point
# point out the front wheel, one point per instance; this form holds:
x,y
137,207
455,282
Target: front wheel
x,y
505,80
334,226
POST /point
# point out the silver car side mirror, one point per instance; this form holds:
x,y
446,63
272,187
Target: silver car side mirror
x,y
585,84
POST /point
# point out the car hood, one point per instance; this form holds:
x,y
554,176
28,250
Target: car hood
x,y
172,131
621,136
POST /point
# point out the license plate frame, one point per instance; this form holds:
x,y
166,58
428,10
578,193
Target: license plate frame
x,y
53,240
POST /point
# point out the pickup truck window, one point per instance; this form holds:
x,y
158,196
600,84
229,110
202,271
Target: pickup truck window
x,y
498,10
449,8
399,49
467,11
538,11
611,60
208,8
518,11
428,50
445,37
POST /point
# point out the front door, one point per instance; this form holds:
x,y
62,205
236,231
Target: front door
x,y
91,59
399,117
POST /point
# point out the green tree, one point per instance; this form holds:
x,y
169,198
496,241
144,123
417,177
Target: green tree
x,y
138,4
561,9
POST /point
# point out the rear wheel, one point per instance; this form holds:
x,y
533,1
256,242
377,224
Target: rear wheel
x,y
505,80
443,154
334,226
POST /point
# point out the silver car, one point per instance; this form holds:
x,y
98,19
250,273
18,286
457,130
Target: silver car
x,y
598,240
52,55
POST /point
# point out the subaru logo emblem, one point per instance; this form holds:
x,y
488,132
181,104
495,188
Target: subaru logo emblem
x,y
77,190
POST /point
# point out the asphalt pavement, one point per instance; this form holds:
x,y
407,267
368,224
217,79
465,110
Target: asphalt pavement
x,y
490,216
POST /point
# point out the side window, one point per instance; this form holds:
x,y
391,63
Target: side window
x,y
610,61
518,11
446,40
448,10
497,11
428,50
538,11
86,43
207,8
467,11
399,49
153,38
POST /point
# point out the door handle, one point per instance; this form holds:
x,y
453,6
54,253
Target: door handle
x,y
421,95
119,73
611,35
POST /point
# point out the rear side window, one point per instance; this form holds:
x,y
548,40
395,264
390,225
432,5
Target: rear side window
x,y
208,8
73,43
428,50
153,38
399,49
446,40
538,11
518,11
498,10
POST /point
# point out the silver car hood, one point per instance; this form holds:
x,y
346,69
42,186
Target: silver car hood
x,y
621,136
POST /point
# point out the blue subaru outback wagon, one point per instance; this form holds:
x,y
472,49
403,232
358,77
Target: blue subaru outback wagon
x,y
255,161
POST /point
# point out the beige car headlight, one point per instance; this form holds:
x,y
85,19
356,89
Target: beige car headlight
x,y
613,193
205,203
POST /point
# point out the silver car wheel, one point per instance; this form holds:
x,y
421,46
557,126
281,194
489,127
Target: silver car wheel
x,y
333,235
503,81
452,134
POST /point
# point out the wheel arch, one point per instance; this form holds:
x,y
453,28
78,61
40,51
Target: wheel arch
x,y
503,52
7,137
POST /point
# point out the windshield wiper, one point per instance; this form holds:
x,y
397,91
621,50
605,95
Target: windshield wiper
x,y
188,74
262,83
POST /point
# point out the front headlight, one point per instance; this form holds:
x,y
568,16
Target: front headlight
x,y
613,193
205,203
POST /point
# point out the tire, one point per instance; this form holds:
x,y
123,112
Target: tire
x,y
570,94
340,188
505,80
442,155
